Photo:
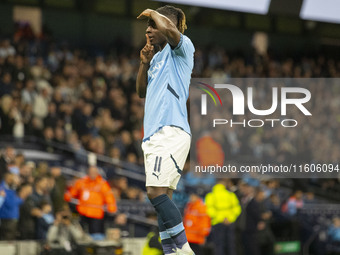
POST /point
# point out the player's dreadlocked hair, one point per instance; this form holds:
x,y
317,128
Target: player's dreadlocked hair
x,y
176,14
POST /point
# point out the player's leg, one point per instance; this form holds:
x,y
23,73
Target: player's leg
x,y
172,232
181,239
168,244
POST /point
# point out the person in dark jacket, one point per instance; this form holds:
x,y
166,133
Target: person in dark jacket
x,y
6,158
265,235
45,221
7,115
6,84
30,211
253,224
58,190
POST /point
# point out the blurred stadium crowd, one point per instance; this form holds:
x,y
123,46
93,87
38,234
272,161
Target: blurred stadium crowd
x,y
87,102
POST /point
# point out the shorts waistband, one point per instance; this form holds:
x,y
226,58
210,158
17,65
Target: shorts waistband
x,y
148,138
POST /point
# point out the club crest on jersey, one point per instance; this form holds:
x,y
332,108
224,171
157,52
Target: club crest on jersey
x,y
152,72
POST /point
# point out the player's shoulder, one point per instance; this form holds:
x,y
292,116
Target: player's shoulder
x,y
187,40
184,47
185,37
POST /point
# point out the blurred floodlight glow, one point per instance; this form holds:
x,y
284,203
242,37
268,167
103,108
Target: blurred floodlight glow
x,y
321,10
251,6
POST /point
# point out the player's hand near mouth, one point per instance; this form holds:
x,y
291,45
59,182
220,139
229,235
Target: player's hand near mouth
x,y
146,55
147,52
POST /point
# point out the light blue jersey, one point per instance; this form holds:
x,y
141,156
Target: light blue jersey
x,y
168,88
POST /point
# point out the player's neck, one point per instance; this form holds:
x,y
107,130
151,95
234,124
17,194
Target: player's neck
x,y
161,46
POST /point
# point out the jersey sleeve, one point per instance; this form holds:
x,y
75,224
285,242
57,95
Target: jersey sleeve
x,y
184,48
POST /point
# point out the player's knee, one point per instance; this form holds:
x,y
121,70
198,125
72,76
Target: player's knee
x,y
153,192
150,193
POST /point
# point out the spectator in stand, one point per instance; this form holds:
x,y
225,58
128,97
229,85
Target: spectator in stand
x,y
245,193
265,235
92,193
64,235
120,187
19,159
124,143
196,223
195,179
6,158
6,49
269,187
280,221
51,119
2,197
134,194
14,166
7,115
294,203
26,172
334,230
30,211
9,210
253,224
40,105
41,169
6,84
223,207
309,198
58,190
28,94
59,136
290,209
40,72
115,154
45,221
83,120
48,135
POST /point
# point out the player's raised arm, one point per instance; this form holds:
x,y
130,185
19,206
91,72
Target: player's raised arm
x,y
165,25
146,55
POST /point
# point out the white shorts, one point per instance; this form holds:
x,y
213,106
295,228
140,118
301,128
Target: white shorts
x,y
165,154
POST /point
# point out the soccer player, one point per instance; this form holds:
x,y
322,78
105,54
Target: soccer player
x,y
164,74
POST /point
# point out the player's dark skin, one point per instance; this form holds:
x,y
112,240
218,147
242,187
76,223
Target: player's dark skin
x,y
160,31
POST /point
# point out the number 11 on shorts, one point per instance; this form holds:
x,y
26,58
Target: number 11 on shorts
x,y
157,167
